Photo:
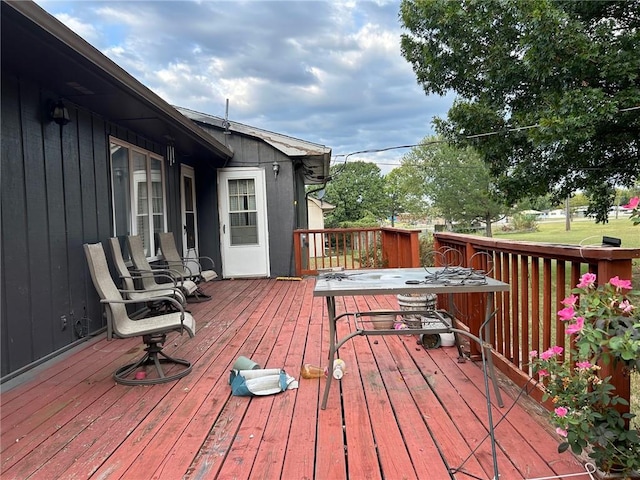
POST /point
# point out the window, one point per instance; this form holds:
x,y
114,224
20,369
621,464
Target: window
x,y
243,213
138,191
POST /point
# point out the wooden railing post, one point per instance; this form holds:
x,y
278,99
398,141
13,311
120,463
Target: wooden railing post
x,y
475,306
297,252
620,377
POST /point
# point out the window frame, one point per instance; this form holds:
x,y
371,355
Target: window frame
x,y
133,210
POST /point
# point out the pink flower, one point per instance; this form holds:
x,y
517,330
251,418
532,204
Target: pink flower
x,y
626,306
533,353
583,365
543,373
566,313
561,431
633,203
561,411
575,327
570,301
616,282
547,354
587,280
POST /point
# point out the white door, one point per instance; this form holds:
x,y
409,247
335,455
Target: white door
x,y
243,222
189,213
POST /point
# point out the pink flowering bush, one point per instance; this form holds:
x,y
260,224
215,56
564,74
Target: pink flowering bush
x,y
634,206
605,327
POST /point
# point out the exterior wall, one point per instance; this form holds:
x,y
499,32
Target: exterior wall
x,y
283,210
55,197
316,222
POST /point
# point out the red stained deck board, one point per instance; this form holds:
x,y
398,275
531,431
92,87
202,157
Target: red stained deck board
x,y
452,447
218,437
422,449
509,438
362,457
194,428
330,461
287,353
73,442
157,434
20,418
537,439
474,429
272,347
380,389
299,462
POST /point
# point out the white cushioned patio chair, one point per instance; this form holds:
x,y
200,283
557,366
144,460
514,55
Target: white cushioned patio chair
x,y
148,274
153,330
192,268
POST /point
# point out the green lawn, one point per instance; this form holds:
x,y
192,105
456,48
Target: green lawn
x,y
583,232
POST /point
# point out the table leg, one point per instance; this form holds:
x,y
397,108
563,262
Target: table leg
x,y
331,311
486,337
487,362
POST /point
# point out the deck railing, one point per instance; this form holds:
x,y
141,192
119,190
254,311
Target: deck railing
x,y
541,275
355,248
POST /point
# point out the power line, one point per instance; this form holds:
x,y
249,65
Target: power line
x,y
468,137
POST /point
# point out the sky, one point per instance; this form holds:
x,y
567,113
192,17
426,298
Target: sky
x,y
328,72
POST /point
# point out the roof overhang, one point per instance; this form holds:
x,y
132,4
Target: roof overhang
x,y
314,158
36,46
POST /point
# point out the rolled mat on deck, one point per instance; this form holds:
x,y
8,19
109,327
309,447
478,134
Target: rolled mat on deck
x,y
267,381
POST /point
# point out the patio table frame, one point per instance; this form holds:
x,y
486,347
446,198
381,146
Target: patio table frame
x,y
393,282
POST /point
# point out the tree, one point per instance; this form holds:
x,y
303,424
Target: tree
x,y
457,181
357,191
405,193
558,82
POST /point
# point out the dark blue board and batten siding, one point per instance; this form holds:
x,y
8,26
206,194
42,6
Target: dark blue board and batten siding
x,y
285,210
55,197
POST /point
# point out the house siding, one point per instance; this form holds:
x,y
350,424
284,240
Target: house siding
x,y
282,211
55,197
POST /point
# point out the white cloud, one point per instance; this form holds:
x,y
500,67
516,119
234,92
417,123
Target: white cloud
x,y
329,72
85,30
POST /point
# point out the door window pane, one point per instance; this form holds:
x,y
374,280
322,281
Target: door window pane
x,y
243,217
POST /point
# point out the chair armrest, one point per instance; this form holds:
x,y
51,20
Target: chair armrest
x,y
168,271
151,290
181,264
164,299
155,274
208,259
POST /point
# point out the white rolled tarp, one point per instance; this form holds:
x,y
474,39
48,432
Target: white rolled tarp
x,y
266,381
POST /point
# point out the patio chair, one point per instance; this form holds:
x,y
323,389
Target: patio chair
x,y
148,274
191,268
129,278
153,330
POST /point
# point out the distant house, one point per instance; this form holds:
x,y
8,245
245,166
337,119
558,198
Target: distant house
x,y
119,160
317,209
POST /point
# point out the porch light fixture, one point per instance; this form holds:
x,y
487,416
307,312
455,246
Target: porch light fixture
x,y
276,169
60,113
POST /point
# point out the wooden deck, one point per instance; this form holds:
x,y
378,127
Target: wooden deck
x,y
400,412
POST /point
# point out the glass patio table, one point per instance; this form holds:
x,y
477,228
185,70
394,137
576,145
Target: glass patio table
x,y
429,280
